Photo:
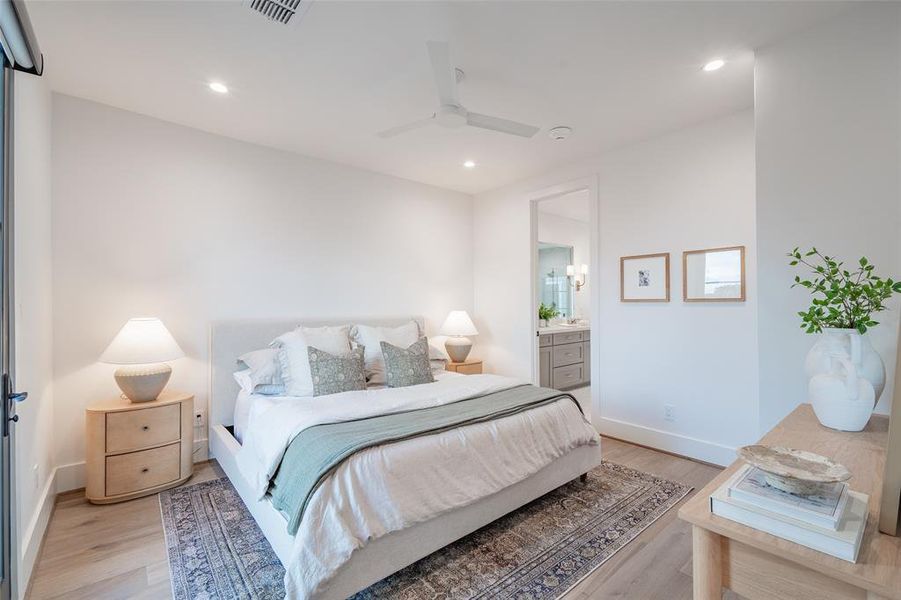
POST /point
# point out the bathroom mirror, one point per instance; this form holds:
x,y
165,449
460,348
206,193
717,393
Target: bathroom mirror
x,y
553,286
714,275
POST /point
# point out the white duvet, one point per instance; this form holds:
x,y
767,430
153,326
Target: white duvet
x,y
393,486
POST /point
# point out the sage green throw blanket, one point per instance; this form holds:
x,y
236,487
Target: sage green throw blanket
x,y
318,451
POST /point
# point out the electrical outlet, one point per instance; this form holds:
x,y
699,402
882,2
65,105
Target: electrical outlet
x,y
669,412
198,419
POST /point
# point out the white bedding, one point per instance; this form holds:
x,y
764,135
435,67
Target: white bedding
x,y
391,487
248,405
243,405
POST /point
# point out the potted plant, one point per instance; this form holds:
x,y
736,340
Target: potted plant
x,y
546,313
845,374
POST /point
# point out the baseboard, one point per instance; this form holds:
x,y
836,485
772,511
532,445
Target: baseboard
x,y
674,443
201,450
34,536
70,477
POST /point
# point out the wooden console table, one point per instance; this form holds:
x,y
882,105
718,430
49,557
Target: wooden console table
x,y
759,566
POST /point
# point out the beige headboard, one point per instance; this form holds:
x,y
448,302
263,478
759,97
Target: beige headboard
x,y
230,339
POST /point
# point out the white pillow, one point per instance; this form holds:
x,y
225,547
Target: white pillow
x,y
245,380
294,359
244,377
264,367
371,339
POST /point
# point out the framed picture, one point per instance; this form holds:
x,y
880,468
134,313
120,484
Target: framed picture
x,y
644,278
714,275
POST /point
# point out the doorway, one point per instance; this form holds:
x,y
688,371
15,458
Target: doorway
x,y
7,413
565,305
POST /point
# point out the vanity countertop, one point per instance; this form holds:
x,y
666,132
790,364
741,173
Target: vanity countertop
x,y
563,328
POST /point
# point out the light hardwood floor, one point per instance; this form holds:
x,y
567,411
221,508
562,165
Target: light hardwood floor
x,y
118,551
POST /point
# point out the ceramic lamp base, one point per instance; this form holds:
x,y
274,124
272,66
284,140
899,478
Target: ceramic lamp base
x,y
143,383
458,348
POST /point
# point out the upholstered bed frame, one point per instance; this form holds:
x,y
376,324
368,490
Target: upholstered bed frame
x,y
381,557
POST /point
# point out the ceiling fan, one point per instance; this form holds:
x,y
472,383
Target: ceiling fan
x,y
450,112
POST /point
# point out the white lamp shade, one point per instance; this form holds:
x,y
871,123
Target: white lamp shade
x,y
458,323
142,341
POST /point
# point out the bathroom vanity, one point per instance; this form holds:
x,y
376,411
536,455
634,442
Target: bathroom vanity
x,y
564,356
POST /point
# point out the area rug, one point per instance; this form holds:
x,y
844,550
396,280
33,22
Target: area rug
x,y
538,552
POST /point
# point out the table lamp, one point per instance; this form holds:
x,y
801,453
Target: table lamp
x,y
143,344
457,326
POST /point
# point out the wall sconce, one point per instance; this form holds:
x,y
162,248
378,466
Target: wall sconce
x,y
571,276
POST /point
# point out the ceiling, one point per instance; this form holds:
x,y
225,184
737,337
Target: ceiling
x,y
572,206
616,72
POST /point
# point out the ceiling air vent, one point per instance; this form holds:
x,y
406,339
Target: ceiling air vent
x,y
281,11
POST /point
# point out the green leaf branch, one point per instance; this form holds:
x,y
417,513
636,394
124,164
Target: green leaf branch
x,y
842,298
546,313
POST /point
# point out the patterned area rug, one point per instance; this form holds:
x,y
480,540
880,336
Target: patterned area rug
x,y
538,552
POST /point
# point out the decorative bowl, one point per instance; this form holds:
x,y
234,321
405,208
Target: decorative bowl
x,y
794,471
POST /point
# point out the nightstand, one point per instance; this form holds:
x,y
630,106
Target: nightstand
x,y
138,449
467,367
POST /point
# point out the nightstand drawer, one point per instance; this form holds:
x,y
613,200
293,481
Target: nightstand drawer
x,y
136,471
134,429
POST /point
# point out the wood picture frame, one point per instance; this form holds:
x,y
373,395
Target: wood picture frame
x,y
646,259
743,284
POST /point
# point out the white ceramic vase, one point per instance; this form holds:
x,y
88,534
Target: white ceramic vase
x,y
846,376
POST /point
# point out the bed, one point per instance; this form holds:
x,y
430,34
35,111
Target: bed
x,y
390,551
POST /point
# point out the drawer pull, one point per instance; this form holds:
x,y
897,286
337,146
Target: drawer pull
x,y
145,470
145,428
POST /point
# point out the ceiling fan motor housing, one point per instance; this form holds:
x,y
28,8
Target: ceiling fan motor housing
x,y
450,113
560,133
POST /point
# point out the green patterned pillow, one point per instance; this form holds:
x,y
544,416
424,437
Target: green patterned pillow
x,y
408,366
333,374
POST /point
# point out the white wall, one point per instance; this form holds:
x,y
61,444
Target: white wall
x,y
683,191
33,447
828,126
555,229
152,218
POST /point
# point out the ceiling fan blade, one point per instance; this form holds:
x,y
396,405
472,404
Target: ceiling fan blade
x,y
404,128
502,125
444,72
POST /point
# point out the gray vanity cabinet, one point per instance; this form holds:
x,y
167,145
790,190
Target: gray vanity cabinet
x,y
563,359
545,370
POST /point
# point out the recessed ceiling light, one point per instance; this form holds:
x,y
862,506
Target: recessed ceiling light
x,y
714,65
219,88
470,164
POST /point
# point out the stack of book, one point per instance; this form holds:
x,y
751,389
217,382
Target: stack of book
x,y
832,521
